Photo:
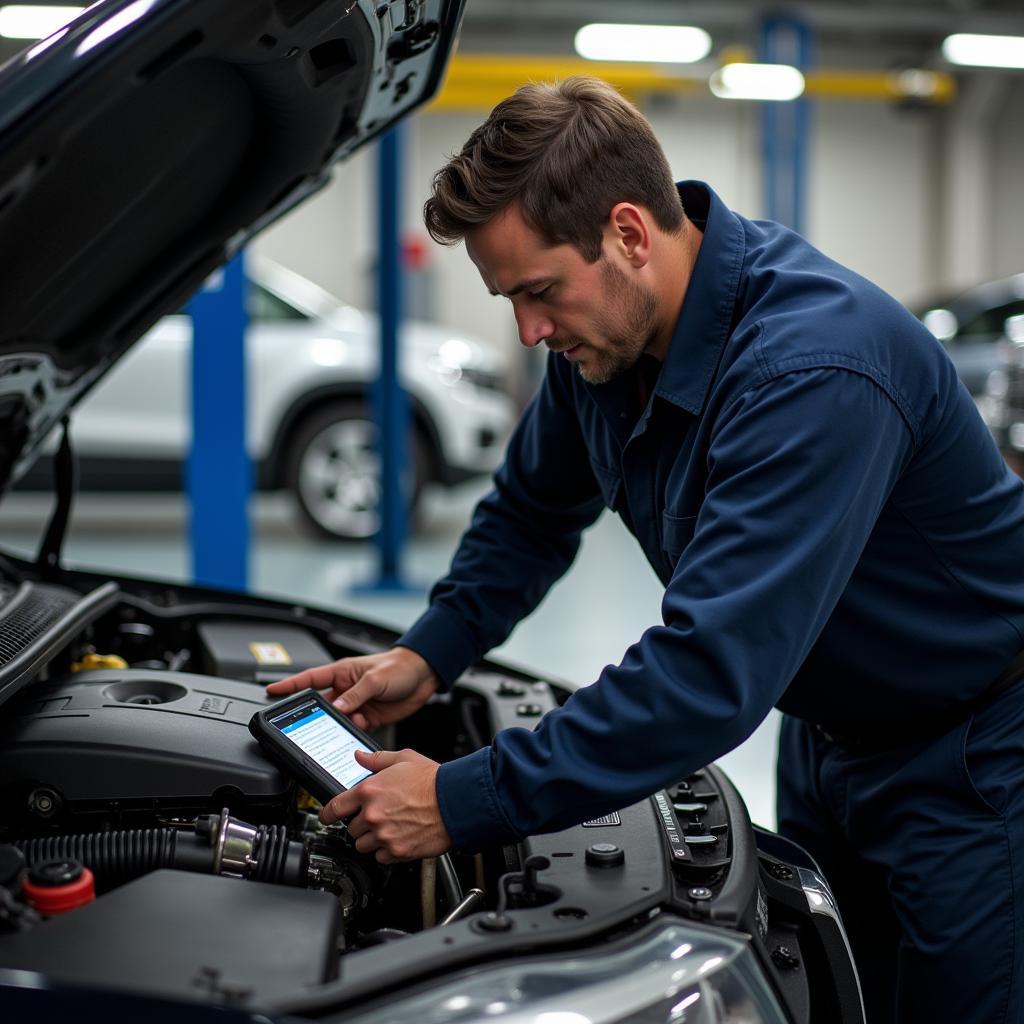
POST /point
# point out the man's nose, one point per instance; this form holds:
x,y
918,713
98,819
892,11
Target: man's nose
x,y
533,328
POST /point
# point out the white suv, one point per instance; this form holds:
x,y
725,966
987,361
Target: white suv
x,y
311,361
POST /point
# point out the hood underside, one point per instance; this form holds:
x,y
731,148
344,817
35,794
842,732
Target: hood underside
x,y
142,146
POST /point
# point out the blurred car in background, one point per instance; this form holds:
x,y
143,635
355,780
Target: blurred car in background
x,y
971,325
1003,402
311,362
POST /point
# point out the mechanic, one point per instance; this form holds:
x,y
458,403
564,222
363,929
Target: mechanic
x,y
836,532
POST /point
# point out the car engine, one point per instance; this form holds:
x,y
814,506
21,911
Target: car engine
x,y
148,845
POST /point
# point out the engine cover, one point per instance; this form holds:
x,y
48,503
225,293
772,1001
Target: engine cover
x,y
187,936
132,743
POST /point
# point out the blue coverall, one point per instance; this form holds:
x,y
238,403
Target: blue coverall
x,y
838,537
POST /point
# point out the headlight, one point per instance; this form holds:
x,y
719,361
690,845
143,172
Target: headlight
x,y
1016,436
993,411
997,383
673,973
454,374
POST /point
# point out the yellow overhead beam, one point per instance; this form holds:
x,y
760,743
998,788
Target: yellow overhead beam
x,y
476,82
937,87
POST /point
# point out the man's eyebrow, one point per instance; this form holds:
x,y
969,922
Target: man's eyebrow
x,y
523,286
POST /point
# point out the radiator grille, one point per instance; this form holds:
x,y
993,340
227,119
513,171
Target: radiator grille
x,y
30,619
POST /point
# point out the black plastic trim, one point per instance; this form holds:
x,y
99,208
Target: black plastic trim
x,y
22,668
741,881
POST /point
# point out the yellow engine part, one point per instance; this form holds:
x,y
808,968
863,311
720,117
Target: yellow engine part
x,y
92,661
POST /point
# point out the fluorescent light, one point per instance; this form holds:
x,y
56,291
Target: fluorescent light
x,y
917,83
984,51
757,82
34,21
661,44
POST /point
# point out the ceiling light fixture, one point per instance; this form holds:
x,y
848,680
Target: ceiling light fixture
x,y
648,44
984,51
777,82
34,21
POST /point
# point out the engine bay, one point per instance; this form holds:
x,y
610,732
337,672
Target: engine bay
x,y
125,756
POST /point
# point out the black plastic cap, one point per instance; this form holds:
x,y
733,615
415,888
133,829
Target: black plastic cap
x,y
605,855
52,873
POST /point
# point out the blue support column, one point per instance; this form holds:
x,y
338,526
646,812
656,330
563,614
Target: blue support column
x,y
389,400
785,126
218,474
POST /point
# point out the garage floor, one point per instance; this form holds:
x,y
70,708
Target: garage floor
x,y
602,605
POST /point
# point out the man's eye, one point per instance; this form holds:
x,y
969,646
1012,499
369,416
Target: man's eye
x,y
541,293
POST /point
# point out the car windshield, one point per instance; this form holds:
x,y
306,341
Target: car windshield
x,y
264,305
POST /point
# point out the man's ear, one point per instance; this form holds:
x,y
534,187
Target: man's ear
x,y
630,232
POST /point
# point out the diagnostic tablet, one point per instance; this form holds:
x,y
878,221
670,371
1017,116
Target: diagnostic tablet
x,y
314,743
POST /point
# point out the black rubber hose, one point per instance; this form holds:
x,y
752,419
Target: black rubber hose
x,y
119,856
278,858
113,857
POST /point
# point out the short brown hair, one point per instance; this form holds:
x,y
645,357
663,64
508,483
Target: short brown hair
x,y
566,153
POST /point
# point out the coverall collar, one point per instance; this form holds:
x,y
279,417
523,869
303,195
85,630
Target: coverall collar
x,y
706,317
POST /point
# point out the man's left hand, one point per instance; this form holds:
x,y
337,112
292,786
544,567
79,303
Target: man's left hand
x,y
396,812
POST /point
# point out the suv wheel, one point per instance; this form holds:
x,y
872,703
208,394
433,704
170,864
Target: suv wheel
x,y
334,471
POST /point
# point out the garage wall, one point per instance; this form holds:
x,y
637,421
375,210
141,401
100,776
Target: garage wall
x,y
875,199
872,189
1008,183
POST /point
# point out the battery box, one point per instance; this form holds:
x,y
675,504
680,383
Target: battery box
x,y
258,652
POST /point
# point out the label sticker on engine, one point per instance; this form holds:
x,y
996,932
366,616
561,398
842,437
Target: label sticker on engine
x,y
608,819
214,705
270,654
670,828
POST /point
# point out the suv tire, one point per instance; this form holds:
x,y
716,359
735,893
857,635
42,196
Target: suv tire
x,y
334,471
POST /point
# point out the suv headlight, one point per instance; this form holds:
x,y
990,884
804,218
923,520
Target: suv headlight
x,y
997,383
453,362
1016,436
673,972
452,374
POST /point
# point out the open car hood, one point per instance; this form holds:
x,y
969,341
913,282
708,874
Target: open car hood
x,y
145,143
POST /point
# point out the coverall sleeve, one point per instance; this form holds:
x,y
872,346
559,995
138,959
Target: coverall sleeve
x,y
522,538
799,469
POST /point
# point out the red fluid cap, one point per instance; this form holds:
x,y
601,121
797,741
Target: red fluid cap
x,y
54,886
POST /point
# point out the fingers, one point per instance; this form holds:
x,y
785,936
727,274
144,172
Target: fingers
x,y
337,674
371,685
347,803
393,814
341,806
378,760
291,684
369,843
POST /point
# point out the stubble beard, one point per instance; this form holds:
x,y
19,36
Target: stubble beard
x,y
628,321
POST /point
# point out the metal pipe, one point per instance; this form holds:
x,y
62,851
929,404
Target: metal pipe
x,y
468,903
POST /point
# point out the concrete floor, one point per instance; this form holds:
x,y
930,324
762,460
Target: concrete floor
x,y
591,616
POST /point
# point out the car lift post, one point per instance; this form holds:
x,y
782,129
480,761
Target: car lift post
x,y
785,125
391,410
218,473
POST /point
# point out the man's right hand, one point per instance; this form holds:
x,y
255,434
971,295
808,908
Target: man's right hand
x,y
372,689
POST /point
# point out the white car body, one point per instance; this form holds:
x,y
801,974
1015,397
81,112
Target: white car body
x,y
312,350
